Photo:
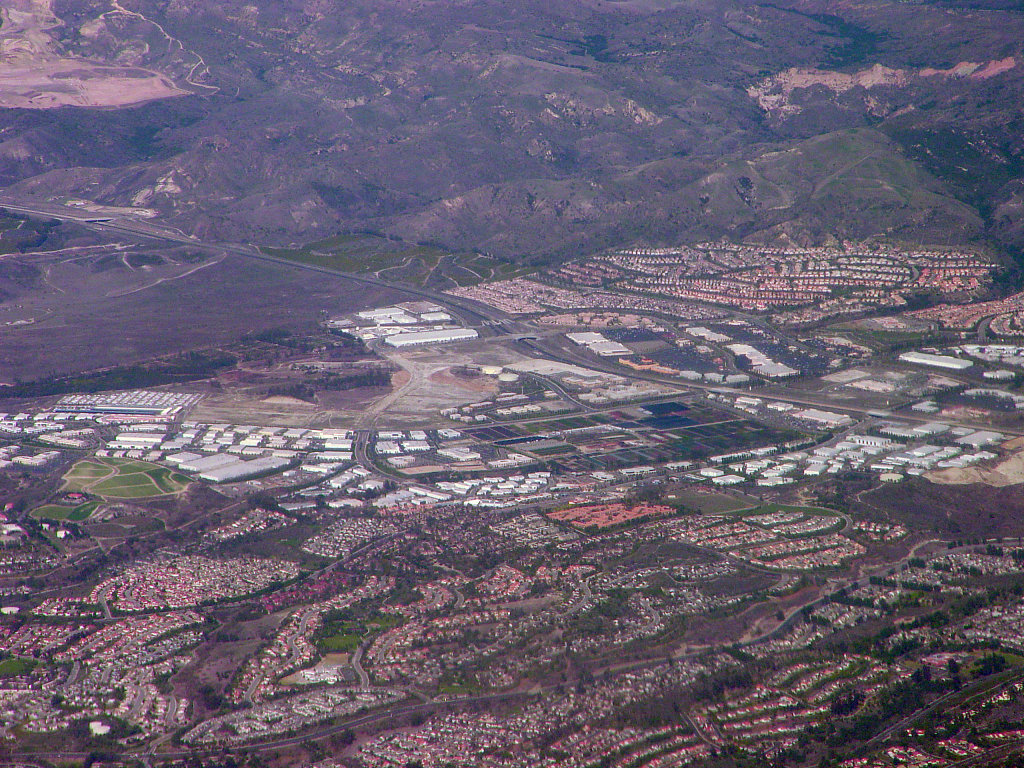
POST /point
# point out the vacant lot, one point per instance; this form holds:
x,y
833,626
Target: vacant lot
x,y
1007,472
35,74
950,511
62,325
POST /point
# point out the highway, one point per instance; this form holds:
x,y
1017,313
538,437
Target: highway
x,y
373,718
546,349
489,321
471,311
496,324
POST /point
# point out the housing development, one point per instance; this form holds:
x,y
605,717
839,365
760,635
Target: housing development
x,y
696,506
511,384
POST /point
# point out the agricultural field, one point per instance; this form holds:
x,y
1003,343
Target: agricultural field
x,y
123,479
654,433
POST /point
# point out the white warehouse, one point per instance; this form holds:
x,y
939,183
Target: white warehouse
x,y
936,361
430,337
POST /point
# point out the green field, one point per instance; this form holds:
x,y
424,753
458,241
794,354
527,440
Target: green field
x,y
14,666
123,479
706,503
341,643
399,261
766,509
61,512
885,339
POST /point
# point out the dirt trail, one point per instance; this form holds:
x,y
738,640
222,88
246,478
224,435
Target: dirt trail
x,y
35,73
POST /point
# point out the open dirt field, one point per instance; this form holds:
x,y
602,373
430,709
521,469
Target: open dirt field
x,y
428,385
35,75
270,412
62,324
1010,471
423,386
68,82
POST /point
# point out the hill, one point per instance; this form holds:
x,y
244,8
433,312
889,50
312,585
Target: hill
x,y
531,129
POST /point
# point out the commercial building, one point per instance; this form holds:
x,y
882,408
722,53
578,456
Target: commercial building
x,y
826,419
243,470
598,344
760,363
945,362
416,338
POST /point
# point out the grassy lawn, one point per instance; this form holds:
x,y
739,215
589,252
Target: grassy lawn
x,y
127,487
14,666
83,473
340,643
384,622
123,479
168,481
455,689
61,512
706,503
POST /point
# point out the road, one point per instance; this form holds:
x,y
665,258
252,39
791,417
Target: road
x,y
471,311
422,708
906,722
367,419
138,701
547,348
72,675
488,320
861,580
357,665
795,614
429,707
172,710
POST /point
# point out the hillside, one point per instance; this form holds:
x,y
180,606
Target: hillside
x,y
533,129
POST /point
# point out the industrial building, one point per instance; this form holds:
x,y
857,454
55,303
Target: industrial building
x,y
598,344
760,363
243,470
416,338
825,419
139,402
936,361
207,463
